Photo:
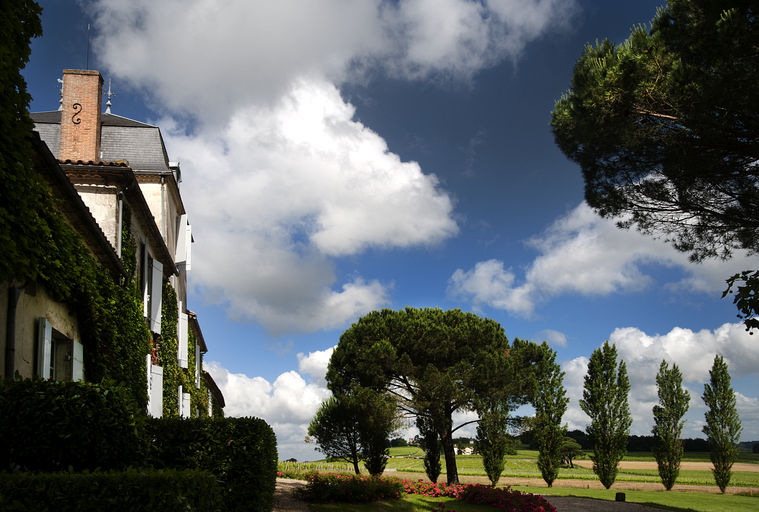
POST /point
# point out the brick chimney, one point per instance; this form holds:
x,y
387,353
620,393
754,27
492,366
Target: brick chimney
x,y
80,118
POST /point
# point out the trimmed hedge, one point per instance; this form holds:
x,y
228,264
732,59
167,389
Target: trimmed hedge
x,y
240,452
166,491
51,426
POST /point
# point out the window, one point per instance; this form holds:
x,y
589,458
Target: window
x,y
58,357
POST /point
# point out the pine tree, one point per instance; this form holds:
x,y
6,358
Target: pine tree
x,y
723,426
668,423
604,399
550,405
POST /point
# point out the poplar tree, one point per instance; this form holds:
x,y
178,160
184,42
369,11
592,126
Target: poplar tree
x,y
723,426
492,442
605,400
550,405
668,423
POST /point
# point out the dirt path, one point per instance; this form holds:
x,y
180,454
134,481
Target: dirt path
x,y
685,466
284,496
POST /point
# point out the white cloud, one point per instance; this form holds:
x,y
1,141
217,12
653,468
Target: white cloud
x,y
693,352
287,405
490,284
584,254
284,189
205,58
315,364
279,177
554,338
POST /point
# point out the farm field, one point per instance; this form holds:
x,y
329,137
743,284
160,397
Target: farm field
x,y
637,467
638,478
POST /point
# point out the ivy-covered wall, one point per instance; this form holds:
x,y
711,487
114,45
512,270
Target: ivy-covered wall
x,y
173,375
38,246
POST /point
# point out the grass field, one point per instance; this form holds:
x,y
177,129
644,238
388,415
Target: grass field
x,y
523,464
678,501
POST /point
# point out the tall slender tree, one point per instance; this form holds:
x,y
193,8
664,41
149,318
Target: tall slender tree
x,y
550,404
431,445
605,400
492,442
668,422
723,426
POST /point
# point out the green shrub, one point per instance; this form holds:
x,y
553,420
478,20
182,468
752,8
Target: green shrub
x,y
240,452
167,491
349,488
51,426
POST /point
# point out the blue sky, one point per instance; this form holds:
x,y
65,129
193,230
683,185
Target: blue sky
x,y
340,157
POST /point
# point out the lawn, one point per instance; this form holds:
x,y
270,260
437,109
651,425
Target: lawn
x,y
679,501
523,465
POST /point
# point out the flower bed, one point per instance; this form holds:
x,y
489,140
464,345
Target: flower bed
x,y
437,490
505,499
349,488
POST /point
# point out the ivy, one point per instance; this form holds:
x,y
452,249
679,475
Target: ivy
x,y
40,247
173,375
168,350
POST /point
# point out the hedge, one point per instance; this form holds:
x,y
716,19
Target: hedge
x,y
51,426
165,491
240,452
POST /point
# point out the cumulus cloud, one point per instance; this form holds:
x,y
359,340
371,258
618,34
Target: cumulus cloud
x,y
279,178
586,254
285,189
488,283
288,404
315,364
693,352
204,58
554,338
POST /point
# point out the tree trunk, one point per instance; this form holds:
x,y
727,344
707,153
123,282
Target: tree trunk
x,y
450,457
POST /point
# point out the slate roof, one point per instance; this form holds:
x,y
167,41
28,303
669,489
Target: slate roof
x,y
121,138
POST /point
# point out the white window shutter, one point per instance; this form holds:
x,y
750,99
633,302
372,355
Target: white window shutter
x,y
146,284
182,338
155,394
156,294
181,412
180,252
44,347
77,372
197,365
186,407
210,403
188,248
